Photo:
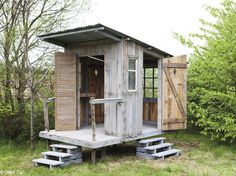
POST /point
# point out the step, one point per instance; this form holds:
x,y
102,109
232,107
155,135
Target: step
x,y
64,146
140,149
167,153
145,155
57,154
63,157
146,142
50,163
154,148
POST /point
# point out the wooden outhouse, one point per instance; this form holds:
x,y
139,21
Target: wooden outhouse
x,y
111,88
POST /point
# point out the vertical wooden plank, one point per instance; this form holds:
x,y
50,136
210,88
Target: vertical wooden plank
x,y
125,113
145,111
78,75
103,152
107,79
160,93
119,88
49,142
140,92
93,156
46,120
65,91
92,109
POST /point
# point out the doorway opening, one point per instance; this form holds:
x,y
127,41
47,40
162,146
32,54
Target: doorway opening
x,y
150,90
92,85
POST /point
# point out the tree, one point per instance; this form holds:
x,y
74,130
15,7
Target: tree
x,y
9,14
212,73
23,51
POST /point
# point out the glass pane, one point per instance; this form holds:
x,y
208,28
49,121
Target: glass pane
x,y
132,64
148,93
148,83
131,81
155,72
148,72
155,93
155,83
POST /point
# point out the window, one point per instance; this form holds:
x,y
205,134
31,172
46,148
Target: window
x,y
132,75
150,83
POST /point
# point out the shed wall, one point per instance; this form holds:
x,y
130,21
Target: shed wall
x,y
113,75
133,106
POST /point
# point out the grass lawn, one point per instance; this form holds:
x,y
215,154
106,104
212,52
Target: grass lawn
x,y
200,157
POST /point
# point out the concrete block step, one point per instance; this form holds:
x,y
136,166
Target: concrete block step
x,y
147,142
166,153
154,148
48,162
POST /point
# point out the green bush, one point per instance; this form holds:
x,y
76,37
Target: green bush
x,y
214,112
10,126
38,121
8,121
212,74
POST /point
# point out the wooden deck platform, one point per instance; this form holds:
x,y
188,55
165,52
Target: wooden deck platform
x,y
83,137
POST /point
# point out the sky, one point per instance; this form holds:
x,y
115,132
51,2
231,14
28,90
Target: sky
x,y
151,21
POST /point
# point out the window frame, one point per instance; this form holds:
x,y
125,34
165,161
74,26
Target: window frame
x,y
153,78
135,72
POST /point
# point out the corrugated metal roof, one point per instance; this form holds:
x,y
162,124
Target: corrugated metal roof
x,y
89,33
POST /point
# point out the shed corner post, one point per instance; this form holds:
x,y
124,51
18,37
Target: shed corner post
x,y
93,156
92,109
160,93
78,89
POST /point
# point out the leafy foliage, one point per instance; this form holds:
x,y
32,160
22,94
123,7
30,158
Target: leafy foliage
x,y
212,74
7,121
26,61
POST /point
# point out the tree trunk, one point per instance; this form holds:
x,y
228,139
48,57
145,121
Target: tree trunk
x,y
20,103
7,87
32,120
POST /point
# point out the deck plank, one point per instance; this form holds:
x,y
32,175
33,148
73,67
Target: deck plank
x,y
83,137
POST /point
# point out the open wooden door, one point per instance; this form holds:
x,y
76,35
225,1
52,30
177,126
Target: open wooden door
x,y
173,93
65,91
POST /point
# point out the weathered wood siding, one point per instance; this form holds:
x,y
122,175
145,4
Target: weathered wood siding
x,y
133,110
65,91
150,111
173,98
113,78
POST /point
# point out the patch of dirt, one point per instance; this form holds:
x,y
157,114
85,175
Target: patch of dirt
x,y
186,146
